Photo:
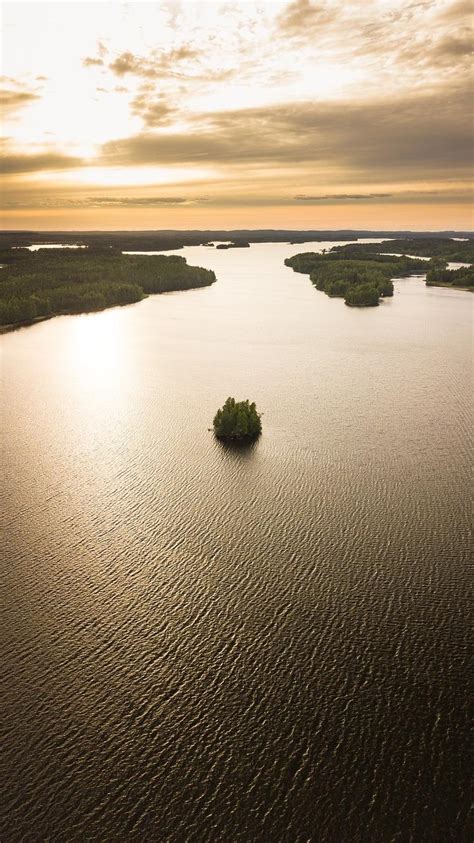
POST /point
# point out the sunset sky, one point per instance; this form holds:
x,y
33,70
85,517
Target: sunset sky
x,y
237,114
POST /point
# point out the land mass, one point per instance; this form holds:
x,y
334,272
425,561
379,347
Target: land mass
x,y
236,245
360,282
445,248
167,239
363,273
441,251
48,282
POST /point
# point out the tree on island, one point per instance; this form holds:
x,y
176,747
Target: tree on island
x,y
237,421
362,296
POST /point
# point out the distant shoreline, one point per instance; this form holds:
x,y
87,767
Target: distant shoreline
x,y
171,239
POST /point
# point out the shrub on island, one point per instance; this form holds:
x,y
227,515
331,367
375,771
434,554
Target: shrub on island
x,y
237,421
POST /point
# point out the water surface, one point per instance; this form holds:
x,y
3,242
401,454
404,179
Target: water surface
x,y
203,643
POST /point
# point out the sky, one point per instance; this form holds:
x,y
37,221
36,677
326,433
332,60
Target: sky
x,y
237,114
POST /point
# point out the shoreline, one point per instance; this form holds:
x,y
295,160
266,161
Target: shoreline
x,y
6,329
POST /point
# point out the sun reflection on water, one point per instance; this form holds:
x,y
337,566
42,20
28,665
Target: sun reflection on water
x,y
97,359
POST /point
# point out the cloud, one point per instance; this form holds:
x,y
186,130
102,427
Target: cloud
x,y
51,202
453,46
128,63
153,112
368,35
461,9
302,16
343,197
134,202
411,136
39,162
405,196
157,65
90,61
11,100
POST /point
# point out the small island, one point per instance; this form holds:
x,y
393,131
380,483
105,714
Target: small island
x,y
236,244
237,421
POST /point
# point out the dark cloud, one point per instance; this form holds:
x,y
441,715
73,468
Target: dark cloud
x,y
90,61
157,65
128,63
459,10
10,163
302,16
55,201
11,100
154,112
135,202
412,136
343,197
403,196
453,47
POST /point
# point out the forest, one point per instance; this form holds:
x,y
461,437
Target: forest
x,y
360,282
463,277
150,241
36,285
362,273
444,248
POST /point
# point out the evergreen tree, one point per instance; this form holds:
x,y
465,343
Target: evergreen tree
x,y
237,420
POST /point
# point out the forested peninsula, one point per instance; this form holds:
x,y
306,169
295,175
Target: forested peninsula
x,y
441,251
363,273
444,248
360,282
49,282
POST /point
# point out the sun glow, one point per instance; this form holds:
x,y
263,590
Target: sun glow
x,y
127,176
178,105
96,352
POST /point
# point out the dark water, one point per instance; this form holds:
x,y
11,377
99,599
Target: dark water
x,y
207,644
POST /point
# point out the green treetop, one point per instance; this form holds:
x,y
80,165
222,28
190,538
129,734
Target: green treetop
x,y
237,420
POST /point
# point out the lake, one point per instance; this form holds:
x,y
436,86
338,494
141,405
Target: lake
x,y
204,643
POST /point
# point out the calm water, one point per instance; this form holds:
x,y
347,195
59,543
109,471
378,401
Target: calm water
x,y
208,644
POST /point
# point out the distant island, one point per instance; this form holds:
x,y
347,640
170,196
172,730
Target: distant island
x,y
237,421
236,245
49,282
362,273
